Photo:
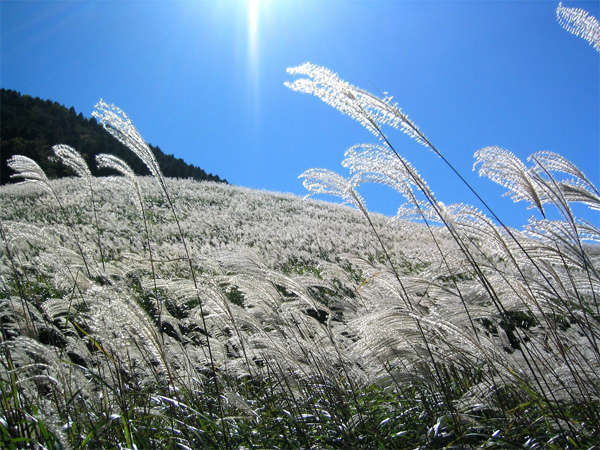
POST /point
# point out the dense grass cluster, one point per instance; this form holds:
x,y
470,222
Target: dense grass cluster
x,y
315,339
147,312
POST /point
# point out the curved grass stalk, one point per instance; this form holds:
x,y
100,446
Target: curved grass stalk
x,y
116,123
71,158
373,112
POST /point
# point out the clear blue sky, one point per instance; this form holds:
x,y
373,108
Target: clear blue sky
x,y
204,80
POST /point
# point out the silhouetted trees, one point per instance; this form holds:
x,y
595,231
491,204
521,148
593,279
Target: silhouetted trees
x,y
31,126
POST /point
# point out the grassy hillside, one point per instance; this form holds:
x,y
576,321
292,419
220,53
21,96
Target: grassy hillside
x,y
310,340
145,312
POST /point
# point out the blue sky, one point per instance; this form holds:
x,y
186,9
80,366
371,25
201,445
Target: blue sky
x,y
204,81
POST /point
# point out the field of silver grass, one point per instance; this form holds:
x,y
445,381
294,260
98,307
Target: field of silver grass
x,y
292,290
146,312
282,281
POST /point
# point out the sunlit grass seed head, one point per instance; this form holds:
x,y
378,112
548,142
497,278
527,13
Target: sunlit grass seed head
x,y
504,168
30,172
325,181
576,188
558,163
369,110
117,124
107,161
542,183
580,23
72,159
378,164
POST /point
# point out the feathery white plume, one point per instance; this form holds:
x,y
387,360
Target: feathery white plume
x,y
105,160
577,189
324,181
72,159
116,122
369,110
27,169
558,163
504,168
578,22
378,164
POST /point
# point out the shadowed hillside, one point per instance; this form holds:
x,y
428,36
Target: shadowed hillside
x,y
31,126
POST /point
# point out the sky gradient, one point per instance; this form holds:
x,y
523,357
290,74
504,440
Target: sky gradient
x,y
204,81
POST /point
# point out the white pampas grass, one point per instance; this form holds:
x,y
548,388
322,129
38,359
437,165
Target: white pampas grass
x,y
112,162
580,23
378,164
72,159
31,173
118,125
369,110
325,181
504,168
105,160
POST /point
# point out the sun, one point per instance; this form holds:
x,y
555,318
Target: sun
x,y
253,47
252,19
253,15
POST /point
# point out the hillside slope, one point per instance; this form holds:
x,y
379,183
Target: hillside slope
x,y
31,126
282,315
278,228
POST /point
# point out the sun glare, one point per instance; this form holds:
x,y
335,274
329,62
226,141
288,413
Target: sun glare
x,y
253,57
252,19
253,6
